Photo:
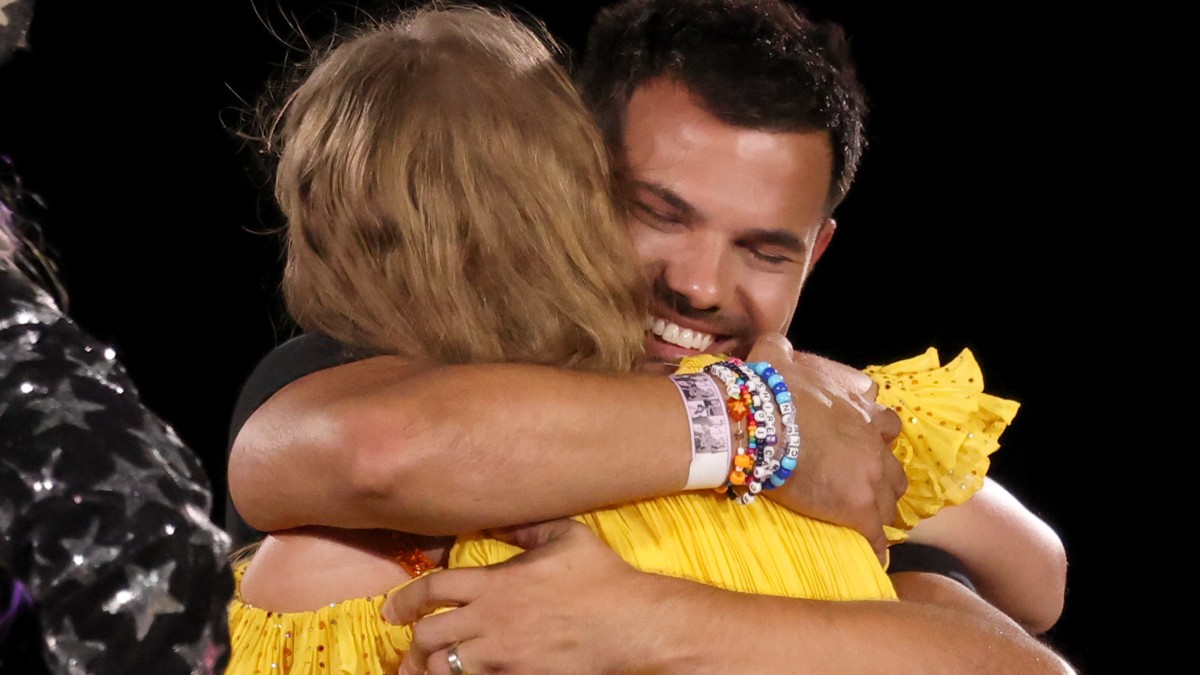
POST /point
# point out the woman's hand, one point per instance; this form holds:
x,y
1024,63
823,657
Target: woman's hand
x,y
567,605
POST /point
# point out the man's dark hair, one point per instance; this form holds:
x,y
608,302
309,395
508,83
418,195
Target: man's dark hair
x,y
757,64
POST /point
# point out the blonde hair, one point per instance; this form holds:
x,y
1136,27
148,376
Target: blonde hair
x,y
449,198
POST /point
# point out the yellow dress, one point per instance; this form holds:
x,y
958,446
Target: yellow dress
x,y
949,428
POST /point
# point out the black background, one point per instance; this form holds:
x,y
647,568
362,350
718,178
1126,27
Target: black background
x,y
961,230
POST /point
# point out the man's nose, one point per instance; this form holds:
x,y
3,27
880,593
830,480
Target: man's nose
x,y
696,274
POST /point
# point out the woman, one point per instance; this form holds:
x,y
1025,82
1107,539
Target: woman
x,y
448,201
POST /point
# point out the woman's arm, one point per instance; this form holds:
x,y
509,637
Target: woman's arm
x,y
1016,561
527,616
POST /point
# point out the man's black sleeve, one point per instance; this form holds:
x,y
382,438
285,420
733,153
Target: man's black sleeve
x,y
300,356
910,557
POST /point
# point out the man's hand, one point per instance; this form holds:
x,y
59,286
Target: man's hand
x,y
558,608
846,473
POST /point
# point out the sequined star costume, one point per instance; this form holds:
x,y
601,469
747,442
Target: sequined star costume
x,y
104,513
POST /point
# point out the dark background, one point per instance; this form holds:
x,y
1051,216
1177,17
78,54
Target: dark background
x,y
961,230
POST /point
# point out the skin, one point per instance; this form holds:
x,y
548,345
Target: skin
x,y
726,219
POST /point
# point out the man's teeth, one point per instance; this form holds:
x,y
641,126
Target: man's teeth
x,y
679,336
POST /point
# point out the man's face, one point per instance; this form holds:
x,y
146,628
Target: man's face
x,y
727,221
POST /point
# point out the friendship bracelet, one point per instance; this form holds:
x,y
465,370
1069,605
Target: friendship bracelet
x,y
709,426
787,410
756,394
753,468
765,433
740,405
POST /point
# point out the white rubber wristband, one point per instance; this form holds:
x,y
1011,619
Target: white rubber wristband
x,y
712,447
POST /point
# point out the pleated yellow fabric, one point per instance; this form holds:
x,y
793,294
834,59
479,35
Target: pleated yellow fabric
x,y
949,428
706,537
346,638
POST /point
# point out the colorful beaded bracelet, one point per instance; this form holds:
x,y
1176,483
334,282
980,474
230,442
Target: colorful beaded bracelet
x,y
766,437
783,398
739,407
746,400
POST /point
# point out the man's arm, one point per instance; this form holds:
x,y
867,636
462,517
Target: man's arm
x,y
447,450
528,616
452,449
1016,561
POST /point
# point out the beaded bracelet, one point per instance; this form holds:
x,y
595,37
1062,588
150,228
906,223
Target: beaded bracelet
x,y
765,433
740,406
783,398
749,397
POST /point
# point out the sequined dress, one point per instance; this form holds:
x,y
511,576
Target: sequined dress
x,y
949,428
104,513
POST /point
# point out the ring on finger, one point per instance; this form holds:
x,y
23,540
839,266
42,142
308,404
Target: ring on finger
x,y
456,667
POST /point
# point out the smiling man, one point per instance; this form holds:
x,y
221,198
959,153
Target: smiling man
x,y
729,221
738,129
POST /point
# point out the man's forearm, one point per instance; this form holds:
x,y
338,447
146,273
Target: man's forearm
x,y
380,443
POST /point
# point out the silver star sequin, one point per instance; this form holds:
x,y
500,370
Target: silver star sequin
x,y
26,313
63,407
140,485
69,650
161,441
101,370
42,482
18,351
86,554
147,597
206,534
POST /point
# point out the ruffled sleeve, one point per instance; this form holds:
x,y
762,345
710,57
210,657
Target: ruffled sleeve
x,y
949,428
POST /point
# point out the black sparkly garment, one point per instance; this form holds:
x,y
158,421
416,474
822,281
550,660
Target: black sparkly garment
x,y
104,513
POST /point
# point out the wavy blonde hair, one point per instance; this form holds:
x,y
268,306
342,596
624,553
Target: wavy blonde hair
x,y
449,198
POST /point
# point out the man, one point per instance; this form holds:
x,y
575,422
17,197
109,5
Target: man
x,y
739,126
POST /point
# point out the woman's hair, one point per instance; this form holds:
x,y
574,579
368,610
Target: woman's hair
x,y
21,244
448,198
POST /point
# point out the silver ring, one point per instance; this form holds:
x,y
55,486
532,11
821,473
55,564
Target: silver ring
x,y
456,666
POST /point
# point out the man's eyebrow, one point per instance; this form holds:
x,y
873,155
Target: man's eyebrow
x,y
669,196
782,238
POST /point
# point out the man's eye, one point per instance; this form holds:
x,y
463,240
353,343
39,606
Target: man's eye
x,y
649,213
769,259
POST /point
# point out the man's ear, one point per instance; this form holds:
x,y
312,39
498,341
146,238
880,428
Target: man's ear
x,y
824,236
